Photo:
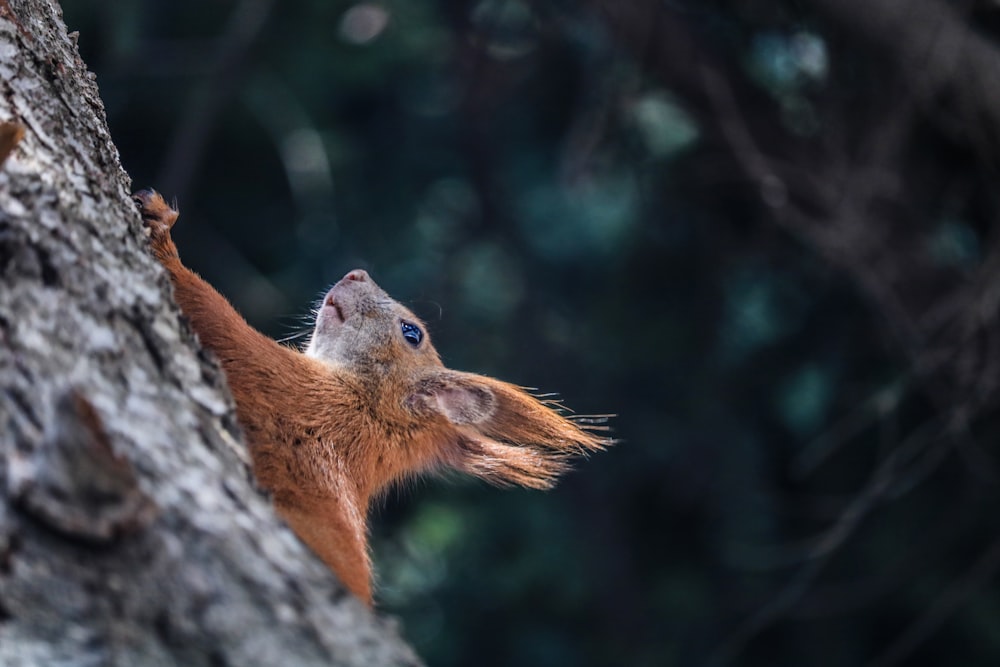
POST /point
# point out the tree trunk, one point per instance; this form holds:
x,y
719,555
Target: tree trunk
x,y
130,533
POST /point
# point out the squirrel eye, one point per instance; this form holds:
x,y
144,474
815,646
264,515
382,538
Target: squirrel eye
x,y
411,332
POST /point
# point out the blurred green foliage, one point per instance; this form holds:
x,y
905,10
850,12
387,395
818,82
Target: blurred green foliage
x,y
564,221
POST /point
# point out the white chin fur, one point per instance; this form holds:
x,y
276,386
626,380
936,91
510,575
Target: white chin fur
x,y
323,346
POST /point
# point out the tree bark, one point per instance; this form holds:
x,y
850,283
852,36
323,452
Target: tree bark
x,y
130,532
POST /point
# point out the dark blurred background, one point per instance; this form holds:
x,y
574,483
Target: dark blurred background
x,y
763,233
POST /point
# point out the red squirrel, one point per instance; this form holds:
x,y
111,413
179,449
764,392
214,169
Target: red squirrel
x,y
366,404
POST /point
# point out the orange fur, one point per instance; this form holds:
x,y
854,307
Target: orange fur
x,y
363,407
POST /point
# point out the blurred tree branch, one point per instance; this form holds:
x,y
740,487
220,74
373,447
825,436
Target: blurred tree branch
x,y
842,200
846,195
950,67
198,116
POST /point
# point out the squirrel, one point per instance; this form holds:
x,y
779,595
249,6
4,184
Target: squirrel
x,y
366,404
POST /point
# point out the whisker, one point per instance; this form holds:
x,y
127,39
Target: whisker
x,y
295,336
591,420
440,308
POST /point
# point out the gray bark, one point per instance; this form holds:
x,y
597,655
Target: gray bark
x,y
130,532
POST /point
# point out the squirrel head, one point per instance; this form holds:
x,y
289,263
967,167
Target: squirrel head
x,y
363,330
473,423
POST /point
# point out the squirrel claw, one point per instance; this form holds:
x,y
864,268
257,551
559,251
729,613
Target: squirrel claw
x,y
155,211
159,217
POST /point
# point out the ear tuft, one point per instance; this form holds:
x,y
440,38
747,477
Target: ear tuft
x,y
504,465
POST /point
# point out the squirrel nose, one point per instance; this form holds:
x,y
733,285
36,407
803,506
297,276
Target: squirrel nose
x,y
359,275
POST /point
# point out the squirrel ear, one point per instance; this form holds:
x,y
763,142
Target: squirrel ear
x,y
455,396
500,432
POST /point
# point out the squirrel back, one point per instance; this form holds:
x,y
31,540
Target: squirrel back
x,y
368,403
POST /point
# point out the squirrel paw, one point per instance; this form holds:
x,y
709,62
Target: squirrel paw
x,y
156,212
158,217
